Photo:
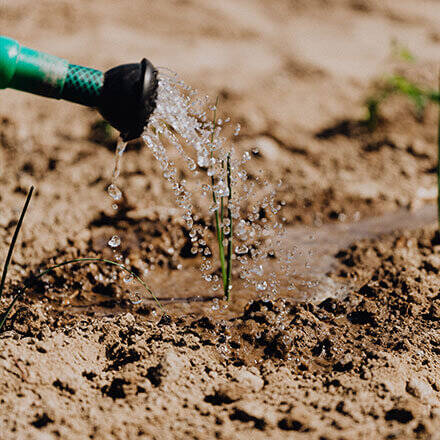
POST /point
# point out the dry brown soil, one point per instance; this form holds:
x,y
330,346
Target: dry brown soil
x,y
79,361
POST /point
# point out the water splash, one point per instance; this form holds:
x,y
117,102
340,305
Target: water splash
x,y
186,142
191,150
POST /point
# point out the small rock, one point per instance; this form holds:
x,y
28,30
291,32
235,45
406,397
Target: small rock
x,y
243,383
251,381
172,365
268,147
420,389
253,409
127,320
231,392
344,364
434,312
299,419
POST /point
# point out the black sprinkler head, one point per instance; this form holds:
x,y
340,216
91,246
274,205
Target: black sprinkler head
x,y
129,97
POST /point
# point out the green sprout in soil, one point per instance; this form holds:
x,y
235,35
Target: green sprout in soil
x,y
401,52
418,94
399,85
223,233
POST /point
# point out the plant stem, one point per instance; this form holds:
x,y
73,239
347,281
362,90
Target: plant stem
x,y
222,208
14,240
230,235
218,225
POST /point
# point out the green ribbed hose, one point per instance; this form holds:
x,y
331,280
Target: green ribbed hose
x,y
39,73
83,85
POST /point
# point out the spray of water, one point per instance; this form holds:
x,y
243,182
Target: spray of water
x,y
185,140
182,127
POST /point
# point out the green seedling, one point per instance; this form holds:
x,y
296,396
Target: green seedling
x,y
225,257
14,240
420,97
396,84
401,52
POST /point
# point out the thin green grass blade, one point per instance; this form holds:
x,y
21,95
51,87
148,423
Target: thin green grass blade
x,y
102,260
50,269
9,256
14,240
218,226
83,260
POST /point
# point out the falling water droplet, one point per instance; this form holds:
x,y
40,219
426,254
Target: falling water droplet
x,y
262,286
214,207
258,270
135,297
114,242
114,192
128,278
241,249
246,156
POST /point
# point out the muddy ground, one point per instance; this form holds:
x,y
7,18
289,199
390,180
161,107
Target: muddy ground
x,y
354,356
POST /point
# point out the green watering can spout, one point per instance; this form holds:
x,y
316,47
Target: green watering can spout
x,y
125,95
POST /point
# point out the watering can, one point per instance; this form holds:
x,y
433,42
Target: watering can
x,y
124,95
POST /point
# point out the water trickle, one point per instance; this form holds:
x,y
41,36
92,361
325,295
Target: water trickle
x,y
115,193
113,190
262,285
